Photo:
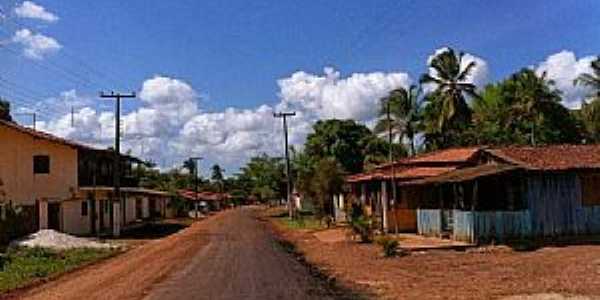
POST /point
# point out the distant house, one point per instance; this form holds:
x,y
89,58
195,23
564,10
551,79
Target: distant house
x,y
500,193
67,186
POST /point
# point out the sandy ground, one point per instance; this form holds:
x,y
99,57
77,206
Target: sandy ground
x,y
228,256
571,272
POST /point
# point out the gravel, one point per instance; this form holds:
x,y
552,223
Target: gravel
x,y
53,239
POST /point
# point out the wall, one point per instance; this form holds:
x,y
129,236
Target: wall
x,y
16,168
404,219
72,220
429,222
554,208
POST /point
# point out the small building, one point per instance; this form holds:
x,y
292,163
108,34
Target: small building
x,y
500,194
66,186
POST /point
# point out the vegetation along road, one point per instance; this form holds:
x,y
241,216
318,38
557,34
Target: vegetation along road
x,y
229,256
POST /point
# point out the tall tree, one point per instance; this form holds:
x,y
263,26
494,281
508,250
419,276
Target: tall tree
x,y
592,80
590,108
450,79
217,177
344,140
404,115
523,109
264,177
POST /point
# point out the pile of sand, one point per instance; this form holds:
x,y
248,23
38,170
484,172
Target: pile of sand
x,y
53,239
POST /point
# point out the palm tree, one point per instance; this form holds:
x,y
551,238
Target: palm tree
x,y
533,96
590,111
404,109
451,88
591,80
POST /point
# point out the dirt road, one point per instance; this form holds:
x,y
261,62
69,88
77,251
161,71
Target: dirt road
x,y
230,256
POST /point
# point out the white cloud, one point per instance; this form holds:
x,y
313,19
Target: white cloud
x,y
30,10
563,67
169,125
330,96
479,74
36,45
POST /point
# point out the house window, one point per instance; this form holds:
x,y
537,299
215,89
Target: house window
x,y
590,189
84,209
41,164
106,206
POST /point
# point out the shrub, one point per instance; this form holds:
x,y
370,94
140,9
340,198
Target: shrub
x,y
389,245
363,227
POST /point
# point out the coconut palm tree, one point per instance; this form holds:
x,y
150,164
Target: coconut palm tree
x,y
404,117
590,108
452,88
591,80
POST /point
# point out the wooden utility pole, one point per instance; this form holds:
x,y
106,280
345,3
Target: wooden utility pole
x,y
196,169
117,154
284,116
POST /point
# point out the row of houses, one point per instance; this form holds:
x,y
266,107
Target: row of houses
x,y
480,194
67,186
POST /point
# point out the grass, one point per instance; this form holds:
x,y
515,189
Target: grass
x,y
19,267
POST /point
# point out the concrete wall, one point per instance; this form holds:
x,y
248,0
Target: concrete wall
x,y
145,207
72,220
16,168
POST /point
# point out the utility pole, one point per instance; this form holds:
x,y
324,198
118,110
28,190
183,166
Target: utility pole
x,y
284,116
33,116
196,169
117,154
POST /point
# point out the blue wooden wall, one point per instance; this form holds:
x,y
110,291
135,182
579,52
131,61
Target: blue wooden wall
x,y
429,222
553,209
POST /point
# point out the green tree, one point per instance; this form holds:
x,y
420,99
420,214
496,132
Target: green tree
x,y
344,140
404,115
217,177
5,110
592,80
590,108
524,108
328,181
264,177
452,88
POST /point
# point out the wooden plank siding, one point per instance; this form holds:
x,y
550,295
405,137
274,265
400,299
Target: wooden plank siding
x,y
554,207
429,222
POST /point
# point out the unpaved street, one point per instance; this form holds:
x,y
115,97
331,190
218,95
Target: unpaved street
x,y
229,256
242,261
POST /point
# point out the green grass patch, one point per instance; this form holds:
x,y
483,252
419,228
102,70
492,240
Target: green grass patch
x,y
19,267
302,222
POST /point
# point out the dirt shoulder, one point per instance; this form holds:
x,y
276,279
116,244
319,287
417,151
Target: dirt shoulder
x,y
130,275
448,274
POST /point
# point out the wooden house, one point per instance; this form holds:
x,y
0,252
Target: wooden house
x,y
508,193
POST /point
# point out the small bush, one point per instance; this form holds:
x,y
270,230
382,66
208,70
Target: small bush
x,y
363,227
389,245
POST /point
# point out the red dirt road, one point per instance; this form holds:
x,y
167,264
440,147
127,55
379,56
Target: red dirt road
x,y
229,256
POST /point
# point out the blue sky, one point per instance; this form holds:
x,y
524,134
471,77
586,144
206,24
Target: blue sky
x,y
232,53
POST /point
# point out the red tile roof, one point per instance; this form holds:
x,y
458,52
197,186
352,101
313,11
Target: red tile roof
x,y
203,196
556,157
